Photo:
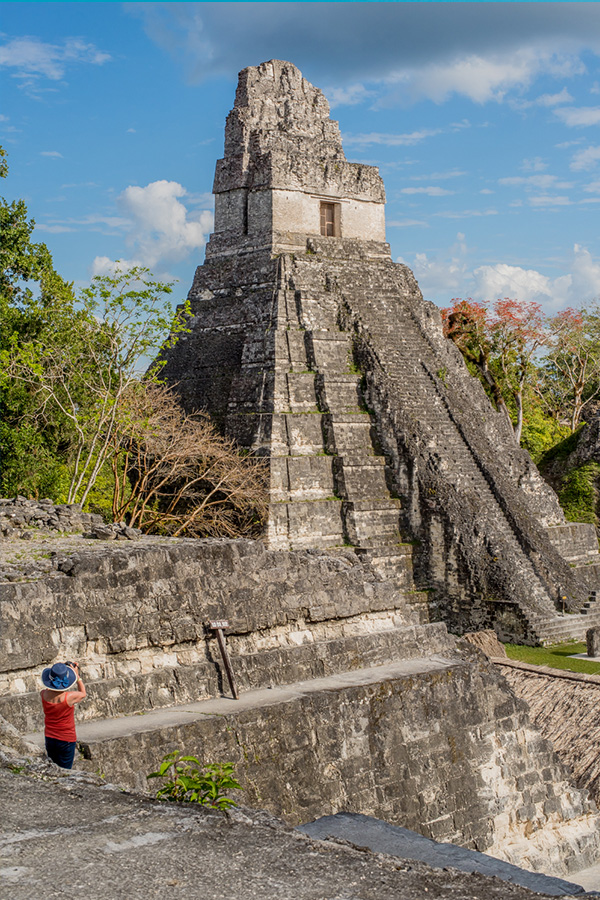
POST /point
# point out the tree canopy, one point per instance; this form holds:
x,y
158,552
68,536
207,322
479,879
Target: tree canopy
x,y
81,421
542,372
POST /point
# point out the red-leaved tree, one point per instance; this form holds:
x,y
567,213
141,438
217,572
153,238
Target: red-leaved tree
x,y
573,366
501,345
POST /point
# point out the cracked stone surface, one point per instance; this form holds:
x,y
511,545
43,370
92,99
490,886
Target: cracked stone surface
x,y
63,835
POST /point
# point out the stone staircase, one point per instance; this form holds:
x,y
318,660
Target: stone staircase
x,y
328,484
578,544
416,384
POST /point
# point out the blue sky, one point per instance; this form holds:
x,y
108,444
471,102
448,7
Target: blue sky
x,y
484,119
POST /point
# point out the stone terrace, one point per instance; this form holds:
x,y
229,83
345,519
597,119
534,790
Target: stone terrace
x,y
348,700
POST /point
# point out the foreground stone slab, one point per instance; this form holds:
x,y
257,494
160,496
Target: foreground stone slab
x,y
381,837
63,837
397,742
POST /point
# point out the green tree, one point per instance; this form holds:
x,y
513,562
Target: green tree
x,y
82,366
571,379
32,296
502,347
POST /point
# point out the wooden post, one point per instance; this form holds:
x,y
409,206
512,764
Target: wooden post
x,y
218,627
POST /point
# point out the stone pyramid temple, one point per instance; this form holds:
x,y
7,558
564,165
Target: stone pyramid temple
x,y
315,350
399,505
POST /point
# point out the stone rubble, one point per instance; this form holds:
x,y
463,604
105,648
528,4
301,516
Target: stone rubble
x,y
31,530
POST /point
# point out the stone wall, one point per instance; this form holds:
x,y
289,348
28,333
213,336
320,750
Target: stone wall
x,y
137,618
447,752
348,699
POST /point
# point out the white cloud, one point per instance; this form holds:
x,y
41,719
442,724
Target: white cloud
x,y
158,226
564,145
442,275
439,176
586,159
103,265
547,200
466,213
54,229
536,182
484,78
390,140
593,187
503,280
486,191
32,58
94,222
447,274
431,191
537,164
406,223
580,285
52,153
554,99
574,116
544,100
347,96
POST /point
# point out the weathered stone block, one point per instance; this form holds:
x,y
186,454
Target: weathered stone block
x,y
592,637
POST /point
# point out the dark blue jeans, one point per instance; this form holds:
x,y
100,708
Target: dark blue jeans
x,y
61,752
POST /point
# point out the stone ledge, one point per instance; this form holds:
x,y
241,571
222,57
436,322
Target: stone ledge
x,y
546,670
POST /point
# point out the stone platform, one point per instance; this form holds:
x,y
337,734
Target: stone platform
x,y
381,837
107,845
350,698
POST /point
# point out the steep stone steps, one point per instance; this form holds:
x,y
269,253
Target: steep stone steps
x,y
577,542
398,341
454,456
302,524
331,456
355,474
559,628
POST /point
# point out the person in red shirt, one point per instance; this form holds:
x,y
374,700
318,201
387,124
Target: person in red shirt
x,y
58,702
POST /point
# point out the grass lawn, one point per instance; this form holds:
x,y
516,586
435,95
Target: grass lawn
x,y
556,656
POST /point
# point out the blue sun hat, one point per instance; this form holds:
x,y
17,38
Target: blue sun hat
x,y
59,677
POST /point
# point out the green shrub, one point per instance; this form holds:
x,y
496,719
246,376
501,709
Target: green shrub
x,y
562,449
542,436
195,783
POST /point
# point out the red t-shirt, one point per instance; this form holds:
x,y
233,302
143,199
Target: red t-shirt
x,y
60,720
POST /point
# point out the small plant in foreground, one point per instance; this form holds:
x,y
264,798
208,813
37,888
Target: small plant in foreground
x,y
194,783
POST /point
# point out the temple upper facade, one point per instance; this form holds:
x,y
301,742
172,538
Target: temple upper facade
x,y
284,176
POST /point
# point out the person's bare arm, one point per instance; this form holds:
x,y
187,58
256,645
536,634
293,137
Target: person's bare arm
x,y
80,694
